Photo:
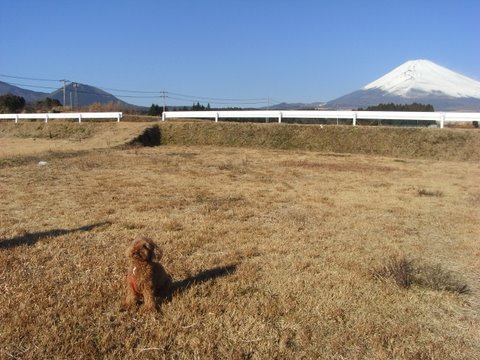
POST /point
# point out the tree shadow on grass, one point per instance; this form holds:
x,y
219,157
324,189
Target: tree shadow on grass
x,y
180,286
30,239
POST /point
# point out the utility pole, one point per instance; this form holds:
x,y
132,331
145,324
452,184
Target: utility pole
x,y
164,100
64,92
75,86
268,108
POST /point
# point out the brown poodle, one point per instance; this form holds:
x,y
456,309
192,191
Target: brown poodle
x,y
146,279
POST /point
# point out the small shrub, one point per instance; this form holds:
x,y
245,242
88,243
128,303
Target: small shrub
x,y
406,273
434,277
399,269
425,192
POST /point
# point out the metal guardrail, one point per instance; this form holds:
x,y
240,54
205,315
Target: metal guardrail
x,y
440,117
48,116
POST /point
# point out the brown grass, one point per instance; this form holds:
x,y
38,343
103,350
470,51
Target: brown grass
x,y
271,252
425,192
406,273
32,138
441,144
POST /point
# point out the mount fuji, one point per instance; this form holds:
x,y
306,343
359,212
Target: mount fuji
x,y
420,81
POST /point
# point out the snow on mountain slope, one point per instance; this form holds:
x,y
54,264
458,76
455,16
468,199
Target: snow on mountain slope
x,y
424,76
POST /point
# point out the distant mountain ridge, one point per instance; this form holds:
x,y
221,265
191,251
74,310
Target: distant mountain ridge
x,y
420,81
28,95
76,94
417,77
294,106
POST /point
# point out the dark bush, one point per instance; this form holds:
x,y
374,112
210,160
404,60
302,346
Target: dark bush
x,y
11,103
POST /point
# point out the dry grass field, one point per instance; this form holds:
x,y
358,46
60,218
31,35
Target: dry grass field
x,y
275,254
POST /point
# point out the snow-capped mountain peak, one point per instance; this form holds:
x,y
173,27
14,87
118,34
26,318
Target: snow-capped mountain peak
x,y
423,76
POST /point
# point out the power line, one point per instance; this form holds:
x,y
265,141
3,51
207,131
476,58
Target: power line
x,y
136,96
160,95
27,78
148,94
223,102
213,98
178,96
82,91
34,86
129,91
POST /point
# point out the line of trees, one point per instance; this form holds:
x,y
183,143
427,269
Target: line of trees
x,y
199,107
400,107
12,104
157,110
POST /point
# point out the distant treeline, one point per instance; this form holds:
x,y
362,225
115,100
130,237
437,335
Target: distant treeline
x,y
15,104
400,107
11,104
157,110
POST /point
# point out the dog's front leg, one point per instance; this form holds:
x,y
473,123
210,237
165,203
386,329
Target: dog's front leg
x,y
131,298
149,300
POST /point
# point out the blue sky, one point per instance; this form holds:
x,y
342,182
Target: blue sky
x,y
293,51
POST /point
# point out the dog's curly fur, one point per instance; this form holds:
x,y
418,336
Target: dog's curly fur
x,y
146,278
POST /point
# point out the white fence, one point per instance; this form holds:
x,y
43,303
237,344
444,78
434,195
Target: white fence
x,y
76,116
440,117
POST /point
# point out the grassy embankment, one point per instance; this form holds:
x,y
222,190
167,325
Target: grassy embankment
x,y
441,144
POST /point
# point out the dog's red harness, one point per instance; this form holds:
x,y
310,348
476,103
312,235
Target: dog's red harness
x,y
131,280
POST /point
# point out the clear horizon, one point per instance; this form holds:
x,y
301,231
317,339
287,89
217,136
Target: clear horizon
x,y
232,53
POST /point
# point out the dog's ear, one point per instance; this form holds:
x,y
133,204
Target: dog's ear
x,y
156,252
151,247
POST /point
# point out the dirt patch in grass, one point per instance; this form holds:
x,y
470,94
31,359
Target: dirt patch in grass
x,y
271,254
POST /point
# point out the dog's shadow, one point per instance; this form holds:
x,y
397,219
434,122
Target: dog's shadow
x,y
31,238
180,286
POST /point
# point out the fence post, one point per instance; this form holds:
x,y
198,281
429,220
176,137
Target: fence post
x,y
216,117
46,118
163,115
79,118
354,119
280,116
118,117
16,119
442,121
